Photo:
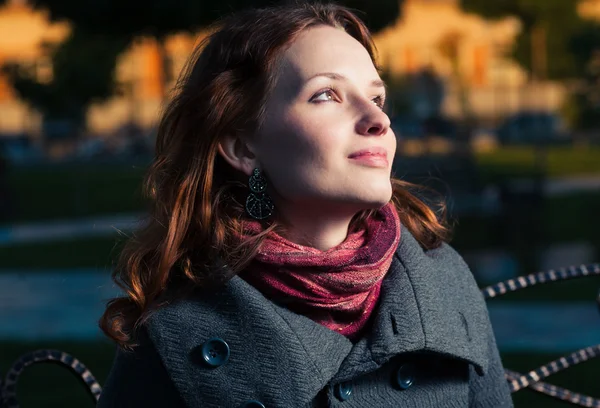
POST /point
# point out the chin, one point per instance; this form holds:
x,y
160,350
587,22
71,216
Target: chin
x,y
380,193
375,204
375,199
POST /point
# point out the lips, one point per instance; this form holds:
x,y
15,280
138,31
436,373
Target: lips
x,y
372,151
373,156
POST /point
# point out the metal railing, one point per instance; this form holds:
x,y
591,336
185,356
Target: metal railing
x,y
517,381
533,379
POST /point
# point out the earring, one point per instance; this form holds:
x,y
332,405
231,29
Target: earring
x,y
258,204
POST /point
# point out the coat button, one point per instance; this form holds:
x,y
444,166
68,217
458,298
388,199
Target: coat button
x,y
405,376
252,404
343,391
215,352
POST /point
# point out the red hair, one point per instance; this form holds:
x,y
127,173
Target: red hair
x,y
195,199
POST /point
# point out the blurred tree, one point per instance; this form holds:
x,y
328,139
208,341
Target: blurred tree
x,y
159,18
586,48
82,74
582,108
545,44
84,65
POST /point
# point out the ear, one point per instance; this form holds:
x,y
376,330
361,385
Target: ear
x,y
238,154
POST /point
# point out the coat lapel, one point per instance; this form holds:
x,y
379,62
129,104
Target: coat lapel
x,y
429,303
454,313
277,357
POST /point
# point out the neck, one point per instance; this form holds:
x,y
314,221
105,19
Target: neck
x,y
318,229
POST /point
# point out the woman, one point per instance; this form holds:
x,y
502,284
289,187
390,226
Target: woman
x,y
281,265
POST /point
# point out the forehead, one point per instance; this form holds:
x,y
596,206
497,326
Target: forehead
x,y
326,49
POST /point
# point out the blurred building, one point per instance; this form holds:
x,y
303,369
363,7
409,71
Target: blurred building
x,y
147,71
589,9
469,53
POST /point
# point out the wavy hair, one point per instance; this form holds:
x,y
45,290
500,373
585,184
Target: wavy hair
x,y
195,196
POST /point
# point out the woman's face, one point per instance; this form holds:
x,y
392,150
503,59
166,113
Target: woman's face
x,y
325,141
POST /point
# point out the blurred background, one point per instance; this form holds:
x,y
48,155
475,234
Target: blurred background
x,y
496,105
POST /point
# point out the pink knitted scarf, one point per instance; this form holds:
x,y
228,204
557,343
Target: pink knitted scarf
x,y
337,288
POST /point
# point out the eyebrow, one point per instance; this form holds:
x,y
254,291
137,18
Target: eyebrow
x,y
339,77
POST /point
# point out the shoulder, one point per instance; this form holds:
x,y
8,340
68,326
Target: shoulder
x,y
203,312
256,345
456,281
442,267
456,265
448,300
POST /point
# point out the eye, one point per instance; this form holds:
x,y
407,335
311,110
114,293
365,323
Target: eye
x,y
325,95
379,101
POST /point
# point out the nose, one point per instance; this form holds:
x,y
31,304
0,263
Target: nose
x,y
373,122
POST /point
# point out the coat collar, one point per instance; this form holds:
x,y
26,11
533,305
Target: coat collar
x,y
429,303
427,298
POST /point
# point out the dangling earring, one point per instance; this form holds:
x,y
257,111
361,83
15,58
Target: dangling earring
x,y
258,204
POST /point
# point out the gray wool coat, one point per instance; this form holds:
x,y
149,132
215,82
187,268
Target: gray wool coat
x,y
430,344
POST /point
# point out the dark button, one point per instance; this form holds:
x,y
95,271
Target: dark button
x,y
252,404
343,391
405,376
215,352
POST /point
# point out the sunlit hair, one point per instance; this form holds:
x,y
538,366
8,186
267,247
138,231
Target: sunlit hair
x,y
196,197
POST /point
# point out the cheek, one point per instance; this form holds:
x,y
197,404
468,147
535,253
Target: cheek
x,y
302,158
298,141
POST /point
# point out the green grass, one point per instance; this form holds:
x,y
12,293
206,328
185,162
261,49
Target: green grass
x,y
561,219
565,219
573,217
52,386
99,253
519,161
42,193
